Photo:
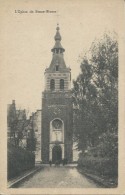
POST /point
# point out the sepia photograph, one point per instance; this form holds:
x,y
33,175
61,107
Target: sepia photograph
x,y
62,71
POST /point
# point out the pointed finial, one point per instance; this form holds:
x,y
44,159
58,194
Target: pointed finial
x,y
57,28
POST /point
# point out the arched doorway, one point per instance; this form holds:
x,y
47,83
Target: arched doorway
x,y
56,154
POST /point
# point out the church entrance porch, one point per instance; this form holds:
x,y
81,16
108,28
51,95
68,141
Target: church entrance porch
x,y
56,154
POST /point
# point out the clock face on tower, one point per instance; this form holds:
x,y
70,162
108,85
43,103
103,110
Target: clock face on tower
x,y
57,111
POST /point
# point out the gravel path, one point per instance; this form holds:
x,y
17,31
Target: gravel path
x,y
58,177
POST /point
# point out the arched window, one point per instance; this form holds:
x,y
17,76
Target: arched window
x,y
57,124
52,84
61,84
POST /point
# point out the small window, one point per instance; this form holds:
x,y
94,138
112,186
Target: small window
x,y
61,84
57,67
52,84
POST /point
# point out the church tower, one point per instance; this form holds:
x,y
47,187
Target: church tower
x,y
57,114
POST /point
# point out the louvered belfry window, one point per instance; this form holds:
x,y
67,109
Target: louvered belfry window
x,y
61,84
52,84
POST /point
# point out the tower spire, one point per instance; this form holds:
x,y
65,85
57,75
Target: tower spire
x,y
57,63
57,47
57,36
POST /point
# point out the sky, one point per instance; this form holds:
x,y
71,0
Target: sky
x,y
28,38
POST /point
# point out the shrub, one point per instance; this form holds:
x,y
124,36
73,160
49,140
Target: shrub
x,y
19,160
104,167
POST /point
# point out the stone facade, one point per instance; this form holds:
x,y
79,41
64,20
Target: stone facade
x,y
57,113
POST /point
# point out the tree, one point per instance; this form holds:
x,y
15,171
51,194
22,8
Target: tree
x,y
31,139
17,123
95,95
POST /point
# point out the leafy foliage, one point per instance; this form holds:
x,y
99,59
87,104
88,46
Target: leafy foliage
x,y
95,98
19,160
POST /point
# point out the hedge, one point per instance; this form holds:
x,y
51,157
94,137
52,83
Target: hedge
x,y
104,167
19,160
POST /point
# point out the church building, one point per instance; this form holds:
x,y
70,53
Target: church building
x,y
57,111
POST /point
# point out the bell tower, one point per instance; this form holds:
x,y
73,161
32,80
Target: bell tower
x,y
57,114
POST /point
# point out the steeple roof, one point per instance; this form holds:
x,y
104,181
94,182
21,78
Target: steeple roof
x,y
57,59
57,38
